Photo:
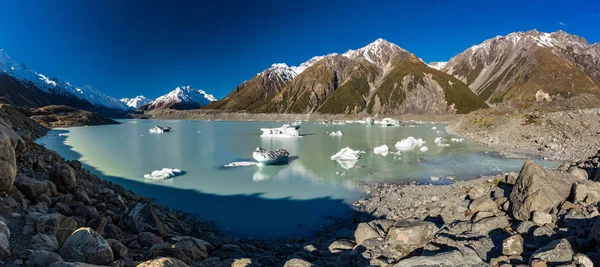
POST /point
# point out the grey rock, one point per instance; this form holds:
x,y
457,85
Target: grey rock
x,y
85,245
483,203
140,217
63,176
297,263
537,189
147,239
341,245
556,252
486,225
4,239
119,250
406,236
44,242
32,188
42,258
363,232
56,224
9,141
512,245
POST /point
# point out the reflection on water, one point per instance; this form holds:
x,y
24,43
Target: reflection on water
x,y
202,148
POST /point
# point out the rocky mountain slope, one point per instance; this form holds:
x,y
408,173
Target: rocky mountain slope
x,y
380,78
21,86
521,64
136,102
182,97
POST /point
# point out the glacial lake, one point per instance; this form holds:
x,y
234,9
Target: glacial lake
x,y
265,201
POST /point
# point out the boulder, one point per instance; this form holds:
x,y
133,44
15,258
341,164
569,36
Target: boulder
x,y
578,173
483,203
57,225
4,239
119,250
541,218
363,232
486,225
9,141
85,245
140,217
32,188
537,189
43,242
42,258
463,257
63,176
512,245
341,245
406,236
556,252
297,263
163,262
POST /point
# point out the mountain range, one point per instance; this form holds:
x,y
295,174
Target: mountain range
x,y
379,78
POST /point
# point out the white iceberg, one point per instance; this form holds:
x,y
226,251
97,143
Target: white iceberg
x,y
347,154
163,174
410,143
338,133
382,150
424,149
284,131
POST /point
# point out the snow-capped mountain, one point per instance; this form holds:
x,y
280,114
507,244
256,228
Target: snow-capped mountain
x,y
378,78
182,97
54,86
135,102
518,65
437,65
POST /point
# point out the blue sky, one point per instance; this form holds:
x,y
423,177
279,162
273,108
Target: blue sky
x,y
126,48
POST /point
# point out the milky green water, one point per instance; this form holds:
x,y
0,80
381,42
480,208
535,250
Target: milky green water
x,y
264,201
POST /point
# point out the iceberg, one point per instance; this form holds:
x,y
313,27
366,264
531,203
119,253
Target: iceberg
x,y
347,154
424,149
160,129
338,133
163,174
271,157
284,131
410,143
382,150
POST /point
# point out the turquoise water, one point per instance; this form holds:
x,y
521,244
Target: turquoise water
x,y
264,201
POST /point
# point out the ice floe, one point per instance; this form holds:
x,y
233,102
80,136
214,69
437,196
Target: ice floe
x,y
163,174
383,150
337,133
284,131
410,143
242,164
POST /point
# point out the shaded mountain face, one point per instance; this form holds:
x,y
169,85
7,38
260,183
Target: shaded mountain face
x,y
378,78
21,86
516,66
183,97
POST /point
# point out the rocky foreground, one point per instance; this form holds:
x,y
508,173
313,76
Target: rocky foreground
x,y
55,213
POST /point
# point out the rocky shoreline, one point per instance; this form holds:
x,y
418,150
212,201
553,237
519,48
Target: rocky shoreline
x,y
56,213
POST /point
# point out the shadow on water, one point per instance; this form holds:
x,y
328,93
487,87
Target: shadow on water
x,y
244,215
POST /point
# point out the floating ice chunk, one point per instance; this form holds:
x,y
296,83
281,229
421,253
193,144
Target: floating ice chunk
x,y
457,140
338,133
284,131
424,149
347,154
382,150
163,174
241,164
409,143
